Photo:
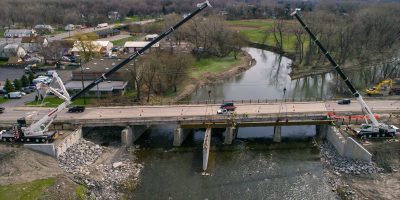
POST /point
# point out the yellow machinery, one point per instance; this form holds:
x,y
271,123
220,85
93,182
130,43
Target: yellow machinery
x,y
380,89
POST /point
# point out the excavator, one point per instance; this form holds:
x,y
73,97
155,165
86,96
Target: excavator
x,y
373,130
38,131
385,88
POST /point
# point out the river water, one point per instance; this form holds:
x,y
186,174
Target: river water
x,y
252,167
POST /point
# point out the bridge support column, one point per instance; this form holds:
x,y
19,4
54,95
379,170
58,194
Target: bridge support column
x,y
229,135
206,148
130,134
321,131
277,133
180,136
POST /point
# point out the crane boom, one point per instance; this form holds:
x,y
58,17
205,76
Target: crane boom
x,y
141,51
355,93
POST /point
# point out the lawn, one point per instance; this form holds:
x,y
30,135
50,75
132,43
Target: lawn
x,y
31,190
2,99
2,62
253,23
121,42
214,65
52,101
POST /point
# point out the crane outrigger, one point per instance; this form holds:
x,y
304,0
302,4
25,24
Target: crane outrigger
x,y
375,129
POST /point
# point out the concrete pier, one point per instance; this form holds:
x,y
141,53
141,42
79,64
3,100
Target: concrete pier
x,y
131,133
277,133
321,131
180,136
229,135
206,148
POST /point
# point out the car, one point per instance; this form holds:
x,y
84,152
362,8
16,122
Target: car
x,y
344,101
2,109
222,111
228,106
3,91
27,90
14,95
76,109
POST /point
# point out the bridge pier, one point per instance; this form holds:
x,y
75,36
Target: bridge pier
x,y
180,136
131,133
322,130
230,134
206,148
277,134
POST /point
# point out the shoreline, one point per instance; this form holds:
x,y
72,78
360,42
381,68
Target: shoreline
x,y
209,78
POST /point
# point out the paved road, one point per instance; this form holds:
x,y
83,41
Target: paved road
x,y
201,110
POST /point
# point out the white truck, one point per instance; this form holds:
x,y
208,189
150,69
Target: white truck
x,y
102,25
14,95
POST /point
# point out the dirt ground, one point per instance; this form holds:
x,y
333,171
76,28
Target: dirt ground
x,y
386,154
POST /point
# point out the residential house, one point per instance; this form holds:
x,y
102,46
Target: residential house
x,y
44,29
18,33
101,47
114,15
69,27
151,37
57,49
134,46
115,84
14,50
34,43
2,54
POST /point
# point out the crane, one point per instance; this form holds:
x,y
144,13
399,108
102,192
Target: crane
x,y
375,129
38,131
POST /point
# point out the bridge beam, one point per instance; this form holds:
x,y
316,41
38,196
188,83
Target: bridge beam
x,y
180,135
277,133
206,148
230,134
131,133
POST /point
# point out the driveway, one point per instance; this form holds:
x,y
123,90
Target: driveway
x,y
19,102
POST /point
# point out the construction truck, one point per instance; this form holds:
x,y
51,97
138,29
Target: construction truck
x,y
373,130
385,88
38,131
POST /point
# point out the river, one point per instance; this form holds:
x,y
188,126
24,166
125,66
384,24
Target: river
x,y
252,167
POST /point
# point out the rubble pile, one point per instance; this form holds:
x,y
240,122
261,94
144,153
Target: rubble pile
x,y
340,164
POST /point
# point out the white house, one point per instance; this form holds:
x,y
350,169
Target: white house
x,y
137,45
44,28
96,46
34,43
17,33
14,50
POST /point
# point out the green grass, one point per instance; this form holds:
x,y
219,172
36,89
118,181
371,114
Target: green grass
x,y
254,23
121,42
2,100
52,101
81,192
130,93
2,62
28,191
213,65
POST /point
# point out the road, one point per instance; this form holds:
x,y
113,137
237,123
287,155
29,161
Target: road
x,y
382,106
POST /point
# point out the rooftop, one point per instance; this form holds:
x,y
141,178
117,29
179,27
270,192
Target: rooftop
x,y
105,86
99,65
139,44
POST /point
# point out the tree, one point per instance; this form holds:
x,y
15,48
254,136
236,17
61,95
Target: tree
x,y
86,45
178,66
24,81
31,77
238,41
17,84
8,86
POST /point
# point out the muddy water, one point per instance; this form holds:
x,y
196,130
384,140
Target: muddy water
x,y
253,167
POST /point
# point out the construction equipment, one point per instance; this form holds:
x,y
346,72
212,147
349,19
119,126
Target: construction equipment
x,y
381,89
38,131
375,129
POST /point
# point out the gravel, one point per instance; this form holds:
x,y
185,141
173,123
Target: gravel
x,y
105,180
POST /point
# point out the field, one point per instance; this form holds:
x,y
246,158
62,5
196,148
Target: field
x,y
255,30
214,65
52,101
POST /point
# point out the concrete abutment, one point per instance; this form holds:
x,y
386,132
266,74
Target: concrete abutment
x,y
180,135
229,134
131,133
277,134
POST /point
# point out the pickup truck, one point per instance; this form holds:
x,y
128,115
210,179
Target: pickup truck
x,y
76,109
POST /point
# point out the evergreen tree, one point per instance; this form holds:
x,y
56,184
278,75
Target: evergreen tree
x,y
24,81
17,84
8,86
31,77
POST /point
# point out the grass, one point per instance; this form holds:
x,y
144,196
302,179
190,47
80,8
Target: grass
x,y
214,65
81,192
254,23
2,62
130,93
52,101
31,190
3,100
121,42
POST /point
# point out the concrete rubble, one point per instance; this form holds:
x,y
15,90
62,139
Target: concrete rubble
x,y
105,180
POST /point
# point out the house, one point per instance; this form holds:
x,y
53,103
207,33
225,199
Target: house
x,y
69,27
114,15
18,33
96,67
14,50
2,54
151,37
133,46
101,47
34,43
44,29
105,88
